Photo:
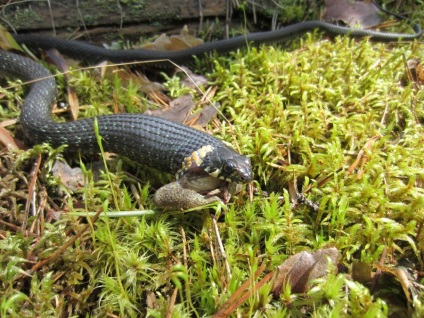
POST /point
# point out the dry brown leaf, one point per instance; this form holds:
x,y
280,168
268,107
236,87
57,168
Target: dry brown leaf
x,y
173,43
7,42
63,66
8,141
364,14
177,111
160,44
192,80
300,269
404,278
205,116
415,70
71,178
126,75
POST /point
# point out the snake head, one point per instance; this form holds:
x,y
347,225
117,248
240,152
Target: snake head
x,y
221,162
233,167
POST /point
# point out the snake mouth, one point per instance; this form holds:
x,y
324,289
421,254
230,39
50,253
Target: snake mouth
x,y
246,174
244,170
237,169
220,162
241,174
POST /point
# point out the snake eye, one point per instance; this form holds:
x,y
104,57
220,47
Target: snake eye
x,y
228,167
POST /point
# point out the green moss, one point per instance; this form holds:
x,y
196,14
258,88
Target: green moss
x,y
302,115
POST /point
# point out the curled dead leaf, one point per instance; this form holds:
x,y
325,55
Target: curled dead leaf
x,y
407,281
71,178
356,13
173,43
300,269
8,141
191,79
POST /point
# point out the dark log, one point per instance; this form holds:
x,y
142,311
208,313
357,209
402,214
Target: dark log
x,y
115,17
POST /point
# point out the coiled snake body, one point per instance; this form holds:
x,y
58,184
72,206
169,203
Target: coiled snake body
x,y
156,142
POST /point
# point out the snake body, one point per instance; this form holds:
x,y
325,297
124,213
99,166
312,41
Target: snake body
x,y
156,142
94,54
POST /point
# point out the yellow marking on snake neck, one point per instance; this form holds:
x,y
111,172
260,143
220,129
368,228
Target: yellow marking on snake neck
x,y
215,173
196,157
187,163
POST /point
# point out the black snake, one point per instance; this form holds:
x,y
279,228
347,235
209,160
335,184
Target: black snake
x,y
150,140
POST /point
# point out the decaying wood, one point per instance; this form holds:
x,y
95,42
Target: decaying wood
x,y
118,17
